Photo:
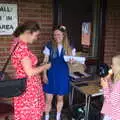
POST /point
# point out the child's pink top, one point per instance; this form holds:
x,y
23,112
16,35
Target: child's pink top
x,y
111,106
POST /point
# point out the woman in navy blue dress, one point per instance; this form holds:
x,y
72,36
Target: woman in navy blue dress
x,y
57,77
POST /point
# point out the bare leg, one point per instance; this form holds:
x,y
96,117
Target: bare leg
x,y
49,98
59,106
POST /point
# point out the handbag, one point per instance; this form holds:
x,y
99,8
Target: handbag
x,y
11,87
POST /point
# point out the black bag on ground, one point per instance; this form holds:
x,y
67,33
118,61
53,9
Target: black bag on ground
x,y
77,112
11,87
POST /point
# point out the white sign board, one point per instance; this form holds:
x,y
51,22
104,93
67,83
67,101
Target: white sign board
x,y
8,18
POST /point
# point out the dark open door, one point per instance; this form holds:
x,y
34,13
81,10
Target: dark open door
x,y
72,14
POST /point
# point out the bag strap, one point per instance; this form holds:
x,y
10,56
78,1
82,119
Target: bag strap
x,y
5,66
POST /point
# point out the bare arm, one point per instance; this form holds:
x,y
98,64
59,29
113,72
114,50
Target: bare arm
x,y
29,70
45,60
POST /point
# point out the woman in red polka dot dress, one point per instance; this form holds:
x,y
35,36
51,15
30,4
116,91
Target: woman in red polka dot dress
x,y
29,105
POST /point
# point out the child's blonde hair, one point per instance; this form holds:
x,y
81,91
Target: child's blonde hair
x,y
116,60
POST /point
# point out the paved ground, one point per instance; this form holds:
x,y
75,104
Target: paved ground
x,y
65,115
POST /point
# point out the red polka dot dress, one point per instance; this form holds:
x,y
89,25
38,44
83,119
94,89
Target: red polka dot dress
x,y
30,105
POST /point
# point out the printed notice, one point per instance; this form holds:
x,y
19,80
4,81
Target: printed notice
x,y
86,33
8,18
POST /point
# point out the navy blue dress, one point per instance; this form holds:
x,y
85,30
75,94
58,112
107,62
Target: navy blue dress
x,y
58,74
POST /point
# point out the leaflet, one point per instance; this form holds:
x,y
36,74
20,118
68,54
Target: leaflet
x,y
76,58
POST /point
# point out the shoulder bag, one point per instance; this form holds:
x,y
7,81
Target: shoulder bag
x,y
11,87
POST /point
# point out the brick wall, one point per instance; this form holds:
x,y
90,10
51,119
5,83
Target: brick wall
x,y
42,11
39,10
112,35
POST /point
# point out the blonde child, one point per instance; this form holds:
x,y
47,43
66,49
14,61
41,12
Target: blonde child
x,y
111,88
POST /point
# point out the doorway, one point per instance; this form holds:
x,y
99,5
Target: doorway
x,y
73,15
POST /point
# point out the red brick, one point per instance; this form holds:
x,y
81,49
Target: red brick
x,y
39,10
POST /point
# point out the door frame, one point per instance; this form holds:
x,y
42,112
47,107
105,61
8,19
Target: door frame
x,y
98,32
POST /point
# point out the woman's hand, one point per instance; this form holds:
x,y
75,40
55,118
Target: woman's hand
x,y
72,61
45,78
47,66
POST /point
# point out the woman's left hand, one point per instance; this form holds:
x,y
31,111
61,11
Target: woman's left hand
x,y
72,61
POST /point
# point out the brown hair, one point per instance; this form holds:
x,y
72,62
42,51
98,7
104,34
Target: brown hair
x,y
66,44
32,26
